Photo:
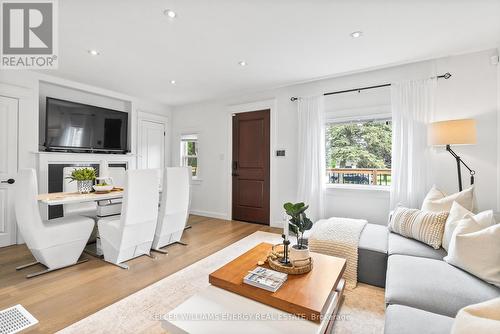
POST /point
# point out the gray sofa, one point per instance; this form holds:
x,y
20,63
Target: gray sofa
x,y
423,293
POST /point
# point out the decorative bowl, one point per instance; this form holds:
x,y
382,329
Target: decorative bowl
x,y
101,189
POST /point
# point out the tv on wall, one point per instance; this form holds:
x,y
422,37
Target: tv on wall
x,y
71,126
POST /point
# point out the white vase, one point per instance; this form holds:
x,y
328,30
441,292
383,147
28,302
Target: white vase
x,y
296,254
84,187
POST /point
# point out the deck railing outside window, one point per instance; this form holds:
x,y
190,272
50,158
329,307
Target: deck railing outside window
x,y
367,176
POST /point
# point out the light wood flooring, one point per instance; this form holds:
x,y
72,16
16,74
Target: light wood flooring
x,y
63,297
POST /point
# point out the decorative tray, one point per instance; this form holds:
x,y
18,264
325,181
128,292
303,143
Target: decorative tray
x,y
294,267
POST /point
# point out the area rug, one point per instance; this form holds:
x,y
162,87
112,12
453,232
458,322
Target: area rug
x,y
361,312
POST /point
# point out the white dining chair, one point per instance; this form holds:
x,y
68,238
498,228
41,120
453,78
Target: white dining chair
x,y
174,207
131,234
88,209
56,243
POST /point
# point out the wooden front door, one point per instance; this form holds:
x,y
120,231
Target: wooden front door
x,y
250,168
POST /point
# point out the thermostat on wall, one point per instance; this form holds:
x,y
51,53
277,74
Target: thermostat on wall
x,y
280,153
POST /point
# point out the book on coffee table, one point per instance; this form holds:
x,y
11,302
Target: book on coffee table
x,y
266,279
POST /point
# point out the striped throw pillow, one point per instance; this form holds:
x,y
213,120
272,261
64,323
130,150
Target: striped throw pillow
x,y
424,226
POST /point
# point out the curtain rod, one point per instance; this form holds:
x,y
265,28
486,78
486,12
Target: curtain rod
x,y
447,75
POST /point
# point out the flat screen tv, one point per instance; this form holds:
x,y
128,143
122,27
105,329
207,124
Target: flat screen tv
x,y
71,126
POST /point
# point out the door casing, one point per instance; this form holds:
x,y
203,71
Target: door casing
x,y
274,205
11,163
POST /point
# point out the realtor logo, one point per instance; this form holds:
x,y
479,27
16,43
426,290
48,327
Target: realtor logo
x,y
29,34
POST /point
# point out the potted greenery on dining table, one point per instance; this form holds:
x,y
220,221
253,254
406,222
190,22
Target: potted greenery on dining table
x,y
84,178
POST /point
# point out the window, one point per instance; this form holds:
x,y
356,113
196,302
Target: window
x,y
359,152
189,153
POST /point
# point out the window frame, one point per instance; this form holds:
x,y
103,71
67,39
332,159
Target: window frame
x,y
352,119
183,140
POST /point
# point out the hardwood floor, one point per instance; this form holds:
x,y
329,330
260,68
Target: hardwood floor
x,y
63,297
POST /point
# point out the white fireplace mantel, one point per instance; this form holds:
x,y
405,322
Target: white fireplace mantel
x,y
47,158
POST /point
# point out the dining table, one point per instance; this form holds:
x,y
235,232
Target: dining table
x,y
102,199
62,198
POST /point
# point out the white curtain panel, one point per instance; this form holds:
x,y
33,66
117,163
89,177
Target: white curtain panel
x,y
412,104
311,155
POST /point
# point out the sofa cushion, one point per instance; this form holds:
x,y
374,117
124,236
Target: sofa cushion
x,y
424,226
403,319
433,285
372,255
405,246
374,238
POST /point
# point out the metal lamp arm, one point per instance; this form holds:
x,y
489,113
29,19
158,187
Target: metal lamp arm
x,y
448,148
461,162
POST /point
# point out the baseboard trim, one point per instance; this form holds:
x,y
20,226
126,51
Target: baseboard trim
x,y
217,215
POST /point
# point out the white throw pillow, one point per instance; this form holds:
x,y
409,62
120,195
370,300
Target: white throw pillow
x,y
438,201
474,247
457,213
482,318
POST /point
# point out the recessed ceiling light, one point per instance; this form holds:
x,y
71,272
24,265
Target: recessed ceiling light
x,y
173,82
242,63
356,34
170,13
94,52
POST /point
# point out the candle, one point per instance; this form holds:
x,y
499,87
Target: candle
x,y
103,169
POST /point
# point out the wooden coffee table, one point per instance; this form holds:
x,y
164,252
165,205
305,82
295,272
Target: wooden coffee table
x,y
304,295
228,304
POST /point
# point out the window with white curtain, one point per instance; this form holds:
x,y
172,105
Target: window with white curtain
x,y
189,153
359,152
358,138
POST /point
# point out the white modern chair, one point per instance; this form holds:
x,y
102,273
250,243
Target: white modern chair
x,y
131,234
174,207
56,243
88,209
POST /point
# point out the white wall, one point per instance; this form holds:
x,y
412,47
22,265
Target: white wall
x,y
471,92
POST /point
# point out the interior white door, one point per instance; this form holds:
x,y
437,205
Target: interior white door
x,y
152,144
8,169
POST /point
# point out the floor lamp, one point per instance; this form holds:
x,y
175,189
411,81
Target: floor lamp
x,y
454,132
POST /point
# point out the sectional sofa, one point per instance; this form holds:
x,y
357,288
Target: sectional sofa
x,y
423,293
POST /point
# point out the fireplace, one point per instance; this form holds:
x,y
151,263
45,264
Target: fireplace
x,y
50,172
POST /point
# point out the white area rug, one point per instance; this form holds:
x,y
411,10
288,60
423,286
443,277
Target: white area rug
x,y
362,311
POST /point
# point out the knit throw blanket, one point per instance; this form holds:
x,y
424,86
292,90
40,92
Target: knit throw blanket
x,y
339,237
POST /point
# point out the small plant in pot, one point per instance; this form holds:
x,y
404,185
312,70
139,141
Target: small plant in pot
x,y
298,224
84,178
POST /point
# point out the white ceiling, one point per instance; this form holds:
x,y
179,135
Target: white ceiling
x,y
283,41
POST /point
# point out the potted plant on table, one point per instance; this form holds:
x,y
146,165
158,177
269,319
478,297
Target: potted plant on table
x,y
298,224
84,178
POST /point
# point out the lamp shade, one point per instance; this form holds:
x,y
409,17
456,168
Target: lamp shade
x,y
453,132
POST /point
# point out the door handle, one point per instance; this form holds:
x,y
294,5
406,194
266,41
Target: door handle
x,y
9,181
235,174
